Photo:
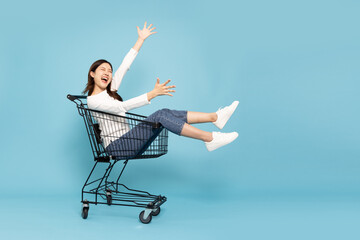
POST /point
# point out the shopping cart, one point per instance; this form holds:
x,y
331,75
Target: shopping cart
x,y
149,142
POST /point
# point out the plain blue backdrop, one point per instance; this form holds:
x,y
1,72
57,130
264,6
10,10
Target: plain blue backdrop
x,y
293,65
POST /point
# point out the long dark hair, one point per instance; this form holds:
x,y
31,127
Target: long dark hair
x,y
91,82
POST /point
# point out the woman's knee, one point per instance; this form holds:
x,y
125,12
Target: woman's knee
x,y
158,114
162,111
165,110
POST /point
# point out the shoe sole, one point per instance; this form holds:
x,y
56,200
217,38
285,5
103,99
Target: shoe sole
x,y
224,144
236,103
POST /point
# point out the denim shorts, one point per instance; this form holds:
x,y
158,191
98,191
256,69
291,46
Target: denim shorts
x,y
129,144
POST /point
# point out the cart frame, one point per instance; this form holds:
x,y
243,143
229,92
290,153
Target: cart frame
x,y
104,191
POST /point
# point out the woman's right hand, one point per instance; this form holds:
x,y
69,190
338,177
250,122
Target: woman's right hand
x,y
160,89
145,32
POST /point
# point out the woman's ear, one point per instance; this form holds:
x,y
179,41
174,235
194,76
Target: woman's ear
x,y
92,74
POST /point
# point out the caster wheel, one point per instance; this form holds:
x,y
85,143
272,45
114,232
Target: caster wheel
x,y
84,213
157,211
85,209
108,198
145,221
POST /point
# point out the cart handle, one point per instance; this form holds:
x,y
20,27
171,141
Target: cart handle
x,y
74,97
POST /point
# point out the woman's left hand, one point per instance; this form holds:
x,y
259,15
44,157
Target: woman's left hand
x,y
145,32
160,89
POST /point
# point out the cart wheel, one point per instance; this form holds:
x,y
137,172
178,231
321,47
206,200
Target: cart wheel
x,y
85,209
157,211
141,217
109,199
84,213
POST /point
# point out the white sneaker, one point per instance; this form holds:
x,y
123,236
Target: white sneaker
x,y
220,139
224,114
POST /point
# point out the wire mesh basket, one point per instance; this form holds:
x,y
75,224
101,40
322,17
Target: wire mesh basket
x,y
121,137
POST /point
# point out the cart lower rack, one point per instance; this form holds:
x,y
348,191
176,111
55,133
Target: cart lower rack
x,y
140,139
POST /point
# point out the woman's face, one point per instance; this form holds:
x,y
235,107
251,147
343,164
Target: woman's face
x,y
102,76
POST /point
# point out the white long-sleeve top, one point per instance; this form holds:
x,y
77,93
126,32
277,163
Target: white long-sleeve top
x,y
110,127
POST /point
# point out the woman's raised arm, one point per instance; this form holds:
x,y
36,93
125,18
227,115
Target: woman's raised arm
x,y
143,34
129,58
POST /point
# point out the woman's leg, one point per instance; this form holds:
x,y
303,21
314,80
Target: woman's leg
x,y
129,144
218,118
177,122
193,132
200,117
193,117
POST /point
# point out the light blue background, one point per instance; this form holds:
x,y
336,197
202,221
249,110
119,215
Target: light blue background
x,y
293,65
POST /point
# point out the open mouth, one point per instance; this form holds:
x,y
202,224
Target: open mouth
x,y
104,79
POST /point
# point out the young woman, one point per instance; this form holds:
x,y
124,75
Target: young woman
x,y
102,95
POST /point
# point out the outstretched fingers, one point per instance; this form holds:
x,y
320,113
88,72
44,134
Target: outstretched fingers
x,y
170,93
168,90
166,82
162,89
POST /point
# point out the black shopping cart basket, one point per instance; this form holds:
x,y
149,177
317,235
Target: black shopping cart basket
x,y
139,139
